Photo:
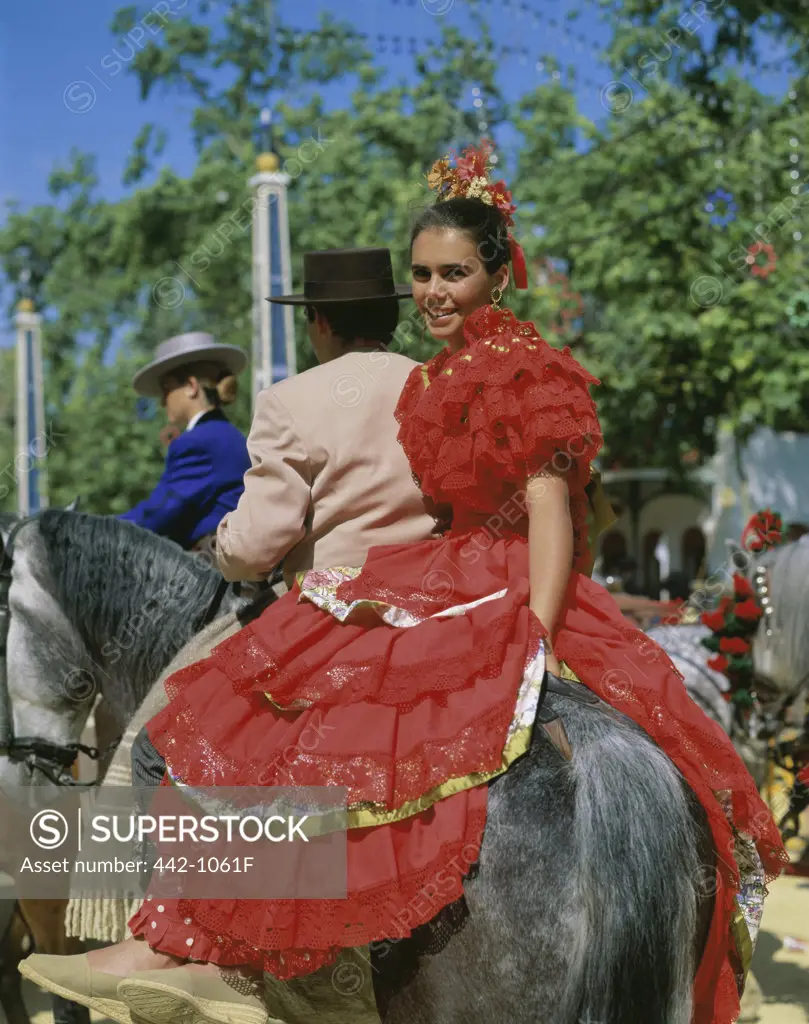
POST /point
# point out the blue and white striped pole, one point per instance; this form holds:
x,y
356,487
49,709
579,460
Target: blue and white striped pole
x,y
31,441
273,326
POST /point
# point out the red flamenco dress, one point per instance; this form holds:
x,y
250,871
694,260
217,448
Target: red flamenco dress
x,y
418,670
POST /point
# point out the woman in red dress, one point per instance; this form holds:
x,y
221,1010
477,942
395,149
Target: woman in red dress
x,y
415,667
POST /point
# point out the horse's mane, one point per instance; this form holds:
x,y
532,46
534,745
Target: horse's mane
x,y
161,586
789,575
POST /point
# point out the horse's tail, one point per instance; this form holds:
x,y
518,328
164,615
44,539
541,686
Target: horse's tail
x,y
644,876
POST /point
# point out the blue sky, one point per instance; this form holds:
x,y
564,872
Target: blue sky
x,y
61,85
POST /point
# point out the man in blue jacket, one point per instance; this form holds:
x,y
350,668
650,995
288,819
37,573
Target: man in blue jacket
x,y
194,377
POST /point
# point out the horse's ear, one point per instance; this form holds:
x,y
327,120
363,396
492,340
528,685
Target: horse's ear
x,y
74,505
6,526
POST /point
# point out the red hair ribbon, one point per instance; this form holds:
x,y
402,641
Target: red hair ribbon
x,y
518,266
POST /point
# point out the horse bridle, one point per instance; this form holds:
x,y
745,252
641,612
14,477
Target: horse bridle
x,y
53,760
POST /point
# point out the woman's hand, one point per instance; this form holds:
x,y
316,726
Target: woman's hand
x,y
552,664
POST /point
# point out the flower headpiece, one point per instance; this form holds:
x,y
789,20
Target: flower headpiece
x,y
469,177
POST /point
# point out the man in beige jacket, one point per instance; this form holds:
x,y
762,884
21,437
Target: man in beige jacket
x,y
328,479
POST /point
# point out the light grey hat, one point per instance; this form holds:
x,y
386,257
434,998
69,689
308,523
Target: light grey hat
x,y
185,348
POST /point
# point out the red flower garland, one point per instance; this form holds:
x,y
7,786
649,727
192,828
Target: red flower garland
x,y
734,645
734,622
713,620
763,530
742,586
748,611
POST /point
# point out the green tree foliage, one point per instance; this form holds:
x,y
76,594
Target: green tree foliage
x,y
682,334
681,331
692,41
357,174
175,254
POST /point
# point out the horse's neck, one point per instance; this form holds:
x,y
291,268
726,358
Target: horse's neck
x,y
782,660
136,648
130,669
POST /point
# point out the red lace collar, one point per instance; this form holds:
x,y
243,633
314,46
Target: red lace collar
x,y
487,320
483,323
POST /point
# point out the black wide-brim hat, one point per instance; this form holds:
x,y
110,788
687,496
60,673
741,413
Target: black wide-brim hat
x,y
346,275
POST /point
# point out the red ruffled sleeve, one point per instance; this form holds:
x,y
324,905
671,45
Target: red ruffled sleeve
x,y
478,422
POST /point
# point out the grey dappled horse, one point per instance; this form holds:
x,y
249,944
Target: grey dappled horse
x,y
97,607
589,898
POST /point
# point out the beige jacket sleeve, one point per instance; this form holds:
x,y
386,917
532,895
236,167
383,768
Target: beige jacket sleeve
x,y
270,518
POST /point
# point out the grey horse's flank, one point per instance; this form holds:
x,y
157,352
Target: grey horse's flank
x,y
592,899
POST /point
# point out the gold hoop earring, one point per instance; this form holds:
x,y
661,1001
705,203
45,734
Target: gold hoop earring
x,y
497,295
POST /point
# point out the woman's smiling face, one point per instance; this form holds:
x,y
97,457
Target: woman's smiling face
x,y
450,281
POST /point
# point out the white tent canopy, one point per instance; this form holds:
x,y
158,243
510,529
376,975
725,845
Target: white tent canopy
x,y
776,468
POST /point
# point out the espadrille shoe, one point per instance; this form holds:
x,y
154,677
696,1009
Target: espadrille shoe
x,y
73,978
186,996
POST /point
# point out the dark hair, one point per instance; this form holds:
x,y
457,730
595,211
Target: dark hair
x,y
218,384
484,224
374,320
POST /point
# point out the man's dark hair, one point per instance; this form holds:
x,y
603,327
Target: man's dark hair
x,y
375,320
